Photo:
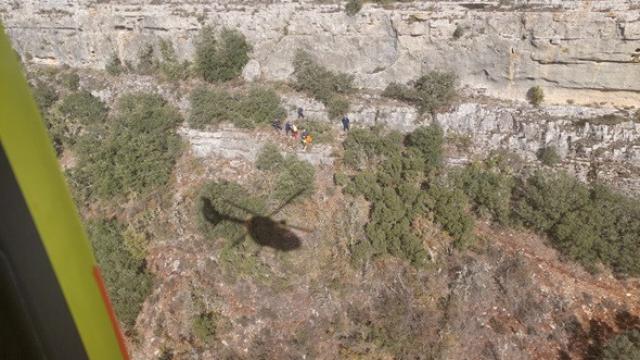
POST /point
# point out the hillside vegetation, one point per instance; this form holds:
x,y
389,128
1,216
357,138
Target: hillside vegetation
x,y
387,261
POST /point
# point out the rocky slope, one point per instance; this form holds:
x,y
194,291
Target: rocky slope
x,y
593,143
585,51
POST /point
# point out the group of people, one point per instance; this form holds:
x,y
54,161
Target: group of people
x,y
305,136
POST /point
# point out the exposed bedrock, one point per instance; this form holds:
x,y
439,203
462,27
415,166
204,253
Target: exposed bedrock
x,y
585,51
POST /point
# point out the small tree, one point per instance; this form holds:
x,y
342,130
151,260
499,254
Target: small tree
x,y
549,155
353,7
325,85
147,63
70,80
114,66
430,93
84,107
458,32
625,346
296,176
45,95
125,276
535,95
221,57
428,140
269,158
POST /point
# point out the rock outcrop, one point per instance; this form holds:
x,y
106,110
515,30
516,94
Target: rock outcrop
x,y
586,51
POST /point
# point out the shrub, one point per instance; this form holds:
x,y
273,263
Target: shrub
x,y
549,155
125,277
320,130
59,131
210,107
544,199
395,203
170,67
84,108
490,190
295,177
625,346
353,7
458,32
585,224
204,326
364,147
449,207
432,92
147,63
70,80
401,92
222,57
45,95
269,158
136,153
258,106
535,95
428,140
114,66
324,85
396,200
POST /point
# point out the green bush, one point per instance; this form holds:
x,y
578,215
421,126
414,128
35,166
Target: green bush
x,y
204,326
70,80
393,187
449,207
114,66
432,92
585,224
125,277
428,140
364,147
269,158
260,106
211,107
458,32
220,57
135,153
490,190
295,176
147,62
170,67
535,95
84,108
544,199
320,130
625,346
45,95
395,203
549,155
326,86
353,7
401,92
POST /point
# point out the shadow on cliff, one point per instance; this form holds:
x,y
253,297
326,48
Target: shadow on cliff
x,y
261,228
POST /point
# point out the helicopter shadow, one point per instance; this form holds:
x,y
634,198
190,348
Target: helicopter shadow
x,y
262,229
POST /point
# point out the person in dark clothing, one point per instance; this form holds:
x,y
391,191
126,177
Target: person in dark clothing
x,y
345,123
277,124
287,128
300,113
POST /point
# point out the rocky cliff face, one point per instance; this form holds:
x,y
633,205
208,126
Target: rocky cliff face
x,y
586,51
